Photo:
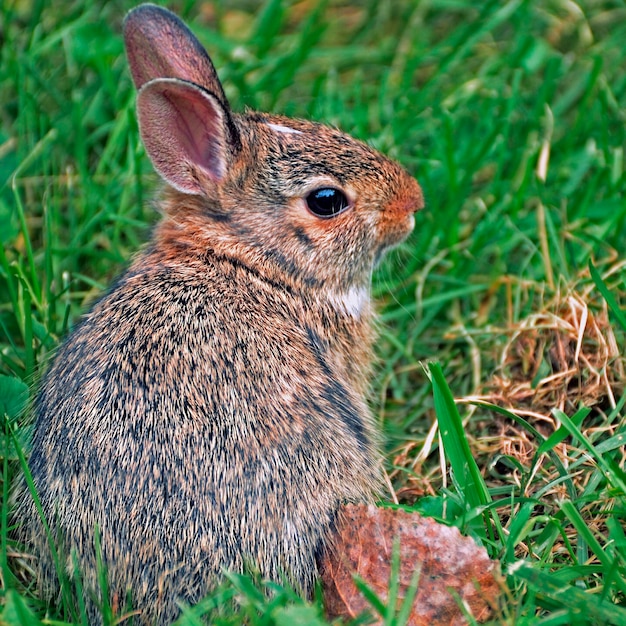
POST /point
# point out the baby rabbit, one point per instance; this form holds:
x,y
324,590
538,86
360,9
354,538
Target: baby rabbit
x,y
210,412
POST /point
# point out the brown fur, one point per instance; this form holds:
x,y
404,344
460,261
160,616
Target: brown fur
x,y
210,411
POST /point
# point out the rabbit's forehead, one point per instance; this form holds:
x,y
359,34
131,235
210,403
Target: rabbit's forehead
x,y
299,148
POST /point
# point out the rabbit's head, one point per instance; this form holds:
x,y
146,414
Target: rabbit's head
x,y
306,199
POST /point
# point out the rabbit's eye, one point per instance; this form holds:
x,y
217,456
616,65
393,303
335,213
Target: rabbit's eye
x,y
327,202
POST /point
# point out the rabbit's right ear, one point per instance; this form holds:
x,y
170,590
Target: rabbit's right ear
x,y
185,132
159,45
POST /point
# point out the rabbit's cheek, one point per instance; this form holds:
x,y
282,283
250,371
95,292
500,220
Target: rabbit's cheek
x,y
319,228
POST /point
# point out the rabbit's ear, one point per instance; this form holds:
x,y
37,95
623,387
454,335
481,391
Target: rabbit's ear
x,y
159,45
185,131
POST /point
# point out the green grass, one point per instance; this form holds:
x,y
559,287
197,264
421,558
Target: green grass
x,y
512,115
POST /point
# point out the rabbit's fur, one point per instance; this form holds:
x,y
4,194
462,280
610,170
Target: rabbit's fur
x,y
210,411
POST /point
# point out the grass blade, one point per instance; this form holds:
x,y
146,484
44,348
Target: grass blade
x,y
612,471
455,443
620,316
582,607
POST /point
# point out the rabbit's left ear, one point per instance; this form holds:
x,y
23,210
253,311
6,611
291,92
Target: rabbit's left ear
x,y
184,129
159,45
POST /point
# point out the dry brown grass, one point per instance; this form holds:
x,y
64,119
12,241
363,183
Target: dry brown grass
x,y
563,356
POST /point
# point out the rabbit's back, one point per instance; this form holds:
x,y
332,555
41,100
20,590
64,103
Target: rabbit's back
x,y
194,444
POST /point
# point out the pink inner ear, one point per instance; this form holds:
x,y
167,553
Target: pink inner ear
x,y
183,130
198,130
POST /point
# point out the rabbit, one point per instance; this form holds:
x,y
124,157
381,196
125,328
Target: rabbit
x,y
210,412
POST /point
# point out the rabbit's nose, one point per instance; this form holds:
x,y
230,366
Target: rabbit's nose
x,y
415,197
409,198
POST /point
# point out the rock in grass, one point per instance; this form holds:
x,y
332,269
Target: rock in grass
x,y
451,569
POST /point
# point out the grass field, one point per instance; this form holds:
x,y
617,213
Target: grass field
x,y
512,115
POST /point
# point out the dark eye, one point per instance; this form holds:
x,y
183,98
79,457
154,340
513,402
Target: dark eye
x,y
327,202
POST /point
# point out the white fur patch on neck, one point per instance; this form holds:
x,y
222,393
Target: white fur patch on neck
x,y
353,302
284,129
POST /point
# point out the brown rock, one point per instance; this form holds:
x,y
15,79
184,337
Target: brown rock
x,y
449,567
